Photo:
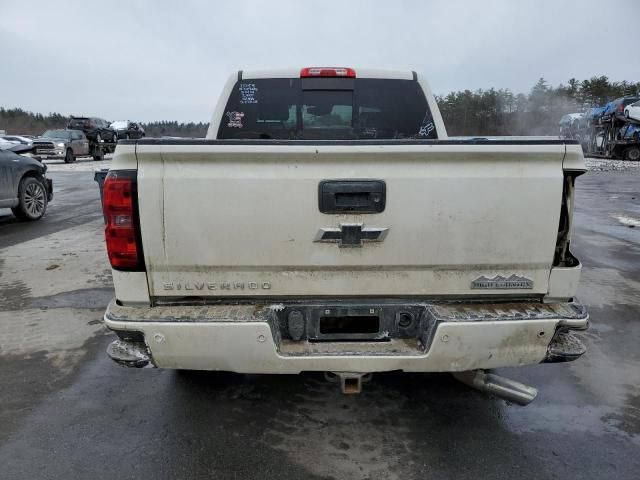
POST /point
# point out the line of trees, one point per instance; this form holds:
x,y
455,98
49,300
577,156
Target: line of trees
x,y
18,121
175,129
501,112
479,112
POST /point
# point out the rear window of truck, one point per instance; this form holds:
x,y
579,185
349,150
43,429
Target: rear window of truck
x,y
327,109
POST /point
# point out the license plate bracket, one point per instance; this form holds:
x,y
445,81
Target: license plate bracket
x,y
345,322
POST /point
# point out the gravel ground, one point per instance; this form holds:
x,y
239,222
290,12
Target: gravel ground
x,y
605,165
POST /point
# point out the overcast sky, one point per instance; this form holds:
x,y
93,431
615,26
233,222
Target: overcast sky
x,y
154,60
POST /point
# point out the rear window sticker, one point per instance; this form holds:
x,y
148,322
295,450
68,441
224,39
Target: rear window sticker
x,y
248,93
425,130
427,126
235,119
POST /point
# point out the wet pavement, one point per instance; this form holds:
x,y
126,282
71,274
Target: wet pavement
x,y
68,412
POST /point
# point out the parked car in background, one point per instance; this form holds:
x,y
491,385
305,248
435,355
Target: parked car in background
x,y
127,129
24,187
633,111
18,138
615,109
16,147
570,124
592,116
7,144
631,131
570,119
62,145
96,129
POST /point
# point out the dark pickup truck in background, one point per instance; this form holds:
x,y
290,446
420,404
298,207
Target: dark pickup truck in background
x,y
96,129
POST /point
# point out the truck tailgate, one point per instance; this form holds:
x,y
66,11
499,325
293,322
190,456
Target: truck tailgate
x,y
232,220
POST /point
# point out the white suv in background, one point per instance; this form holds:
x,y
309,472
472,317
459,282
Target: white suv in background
x,y
633,111
18,139
7,144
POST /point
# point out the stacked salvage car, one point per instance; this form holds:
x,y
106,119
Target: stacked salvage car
x,y
611,131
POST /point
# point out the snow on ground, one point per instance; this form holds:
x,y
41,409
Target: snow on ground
x,y
80,165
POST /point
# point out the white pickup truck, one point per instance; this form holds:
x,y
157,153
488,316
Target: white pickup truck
x,y
327,223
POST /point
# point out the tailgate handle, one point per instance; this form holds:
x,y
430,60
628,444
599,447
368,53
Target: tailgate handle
x,y
352,196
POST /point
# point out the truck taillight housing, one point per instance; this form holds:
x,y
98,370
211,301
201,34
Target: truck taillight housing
x,y
327,72
122,231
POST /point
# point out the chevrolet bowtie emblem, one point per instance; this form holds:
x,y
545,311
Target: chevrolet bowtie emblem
x,y
351,235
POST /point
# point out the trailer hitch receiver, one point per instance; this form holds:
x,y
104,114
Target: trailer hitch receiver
x,y
350,382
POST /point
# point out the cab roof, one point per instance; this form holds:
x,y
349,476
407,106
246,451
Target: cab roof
x,y
295,73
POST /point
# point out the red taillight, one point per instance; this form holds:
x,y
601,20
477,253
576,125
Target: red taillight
x,y
120,210
621,107
327,72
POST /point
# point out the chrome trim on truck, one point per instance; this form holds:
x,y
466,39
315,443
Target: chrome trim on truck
x,y
351,235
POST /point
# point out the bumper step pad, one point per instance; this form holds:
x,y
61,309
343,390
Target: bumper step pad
x,y
129,354
565,347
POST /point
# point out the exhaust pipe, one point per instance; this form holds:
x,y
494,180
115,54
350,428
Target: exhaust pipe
x,y
502,387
